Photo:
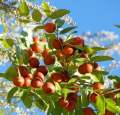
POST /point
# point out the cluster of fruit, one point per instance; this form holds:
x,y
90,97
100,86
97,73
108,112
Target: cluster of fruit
x,y
63,51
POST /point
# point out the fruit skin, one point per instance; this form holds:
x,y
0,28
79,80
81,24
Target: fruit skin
x,y
43,69
57,43
23,71
49,88
108,112
70,106
29,75
93,97
34,62
85,68
35,39
73,97
27,82
88,111
49,60
59,53
65,77
39,76
117,85
77,41
50,27
57,77
97,86
36,83
18,81
45,53
36,48
68,51
63,102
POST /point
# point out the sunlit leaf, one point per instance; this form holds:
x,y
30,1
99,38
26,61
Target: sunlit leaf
x,y
36,15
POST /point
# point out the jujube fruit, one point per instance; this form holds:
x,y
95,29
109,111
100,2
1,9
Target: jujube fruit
x,y
63,102
36,83
27,82
57,77
49,60
108,112
23,71
88,111
59,53
49,88
93,97
45,53
34,62
36,48
85,68
77,41
39,76
70,106
97,86
68,51
35,39
18,81
50,27
43,69
57,43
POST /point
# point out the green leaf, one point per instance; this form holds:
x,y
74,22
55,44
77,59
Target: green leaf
x,y
101,58
24,33
2,112
10,73
118,26
27,99
23,9
59,23
46,8
11,94
38,28
58,88
99,48
72,80
68,29
7,43
100,104
112,106
36,15
59,13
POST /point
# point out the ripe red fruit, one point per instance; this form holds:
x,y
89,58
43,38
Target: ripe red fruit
x,y
97,86
36,48
39,76
23,71
77,41
63,102
57,77
108,112
72,97
70,106
65,77
93,97
36,83
50,27
45,53
49,88
68,51
18,81
57,43
88,111
35,39
43,69
27,82
34,62
29,75
49,60
59,53
85,68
